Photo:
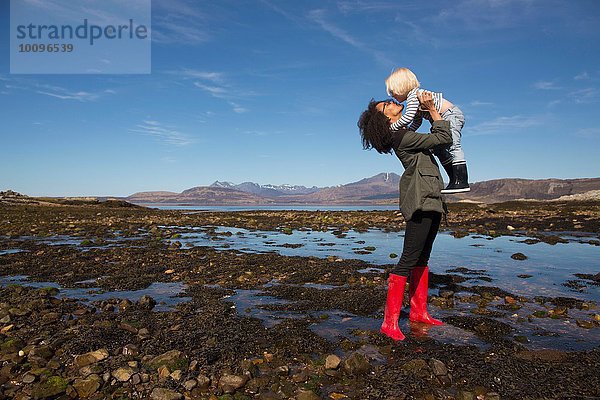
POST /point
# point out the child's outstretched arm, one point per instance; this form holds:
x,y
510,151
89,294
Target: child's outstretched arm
x,y
440,129
412,106
417,121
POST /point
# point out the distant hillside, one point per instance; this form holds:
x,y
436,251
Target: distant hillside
x,y
200,195
267,190
498,190
379,189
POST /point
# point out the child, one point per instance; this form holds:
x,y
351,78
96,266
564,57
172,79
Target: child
x,y
403,85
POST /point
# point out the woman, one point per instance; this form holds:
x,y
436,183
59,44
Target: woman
x,y
420,202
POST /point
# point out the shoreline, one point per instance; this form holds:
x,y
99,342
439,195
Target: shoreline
x,y
203,348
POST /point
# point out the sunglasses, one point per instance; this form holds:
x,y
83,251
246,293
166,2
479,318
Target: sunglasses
x,y
385,103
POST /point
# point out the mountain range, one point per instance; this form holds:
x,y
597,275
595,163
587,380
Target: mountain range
x,y
379,189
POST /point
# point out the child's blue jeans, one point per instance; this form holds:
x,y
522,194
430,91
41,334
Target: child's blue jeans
x,y
452,154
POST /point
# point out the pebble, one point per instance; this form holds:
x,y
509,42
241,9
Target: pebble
x,y
284,370
144,333
190,384
332,362
168,358
136,379
128,328
131,350
519,256
86,387
585,324
304,394
176,375
337,396
203,382
165,394
163,372
356,364
230,383
123,374
91,357
28,378
146,302
438,367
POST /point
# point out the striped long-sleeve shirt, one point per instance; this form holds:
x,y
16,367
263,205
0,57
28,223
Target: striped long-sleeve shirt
x,y
412,117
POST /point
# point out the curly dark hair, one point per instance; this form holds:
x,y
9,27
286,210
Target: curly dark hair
x,y
375,129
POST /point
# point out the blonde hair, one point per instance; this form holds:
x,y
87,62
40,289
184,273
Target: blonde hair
x,y
401,81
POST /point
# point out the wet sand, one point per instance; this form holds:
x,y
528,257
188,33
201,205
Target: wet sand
x,y
269,326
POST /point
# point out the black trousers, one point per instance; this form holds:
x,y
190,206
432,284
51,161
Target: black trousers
x,y
421,231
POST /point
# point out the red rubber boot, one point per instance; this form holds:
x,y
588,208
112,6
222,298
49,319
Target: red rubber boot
x,y
419,285
395,295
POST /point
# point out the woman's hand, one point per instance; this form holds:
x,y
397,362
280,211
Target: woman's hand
x,y
426,100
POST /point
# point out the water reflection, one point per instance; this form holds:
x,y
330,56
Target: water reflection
x,y
166,294
550,266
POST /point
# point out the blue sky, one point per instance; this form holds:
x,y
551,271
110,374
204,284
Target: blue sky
x,y
270,91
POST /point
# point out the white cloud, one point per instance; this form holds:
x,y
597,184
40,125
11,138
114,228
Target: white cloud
x,y
546,85
582,76
55,91
553,103
418,34
586,95
179,22
211,76
588,133
484,15
502,125
216,91
318,17
216,85
66,95
361,6
237,108
290,16
478,103
165,134
168,160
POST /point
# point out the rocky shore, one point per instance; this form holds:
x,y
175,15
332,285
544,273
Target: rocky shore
x,y
56,343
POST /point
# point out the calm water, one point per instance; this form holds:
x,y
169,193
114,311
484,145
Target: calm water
x,y
275,208
549,265
166,294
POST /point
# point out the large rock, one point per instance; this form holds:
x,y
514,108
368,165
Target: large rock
x,y
203,382
415,366
91,357
173,360
230,383
438,367
332,361
356,364
123,374
11,345
86,387
51,387
303,394
146,302
165,394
